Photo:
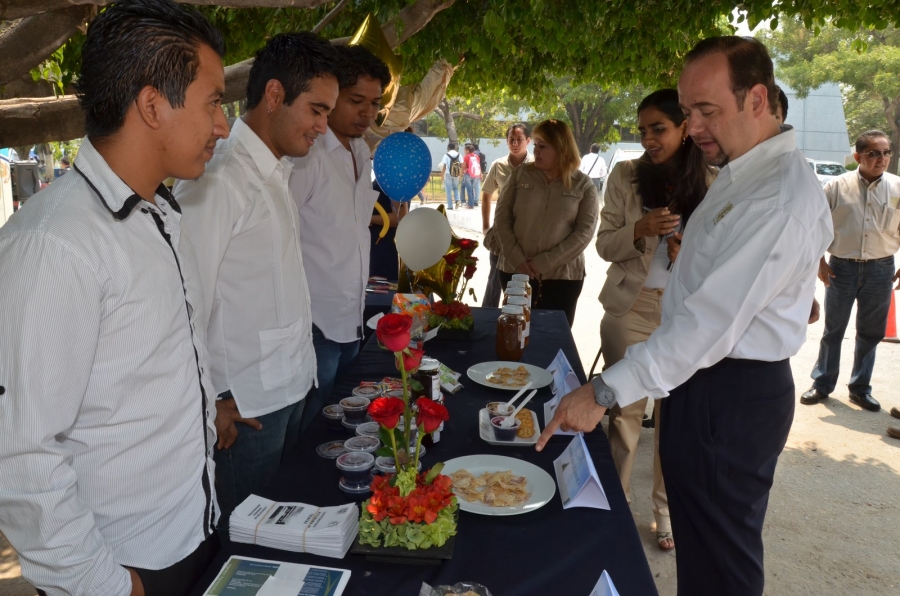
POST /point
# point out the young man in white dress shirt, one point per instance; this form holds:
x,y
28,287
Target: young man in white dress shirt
x,y
866,216
245,228
106,419
594,166
734,312
332,188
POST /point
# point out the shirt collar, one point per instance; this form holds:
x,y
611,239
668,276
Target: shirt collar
x,y
262,156
765,151
865,182
330,142
110,189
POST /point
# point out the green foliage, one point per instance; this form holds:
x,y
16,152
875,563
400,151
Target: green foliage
x,y
408,535
865,63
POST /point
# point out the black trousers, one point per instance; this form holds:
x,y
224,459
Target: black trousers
x,y
178,579
721,433
552,294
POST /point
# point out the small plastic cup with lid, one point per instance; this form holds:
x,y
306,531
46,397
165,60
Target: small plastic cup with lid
x,y
355,409
368,429
366,444
367,391
333,414
356,468
386,465
502,433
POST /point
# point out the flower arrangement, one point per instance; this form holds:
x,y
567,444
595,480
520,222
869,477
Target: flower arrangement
x,y
407,509
459,265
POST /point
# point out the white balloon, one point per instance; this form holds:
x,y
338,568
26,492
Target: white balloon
x,y
422,238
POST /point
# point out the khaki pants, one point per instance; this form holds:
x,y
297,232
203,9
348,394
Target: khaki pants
x,y
616,334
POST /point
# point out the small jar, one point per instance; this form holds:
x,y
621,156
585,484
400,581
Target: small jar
x,y
510,333
429,376
356,467
521,277
511,291
526,310
355,408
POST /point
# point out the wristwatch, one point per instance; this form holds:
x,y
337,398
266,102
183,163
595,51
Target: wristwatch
x,y
603,393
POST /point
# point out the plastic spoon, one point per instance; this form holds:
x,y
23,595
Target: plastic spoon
x,y
519,394
510,420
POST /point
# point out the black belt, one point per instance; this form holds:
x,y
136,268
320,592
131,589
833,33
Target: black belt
x,y
866,260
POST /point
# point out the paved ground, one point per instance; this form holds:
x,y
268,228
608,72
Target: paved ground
x,y
833,526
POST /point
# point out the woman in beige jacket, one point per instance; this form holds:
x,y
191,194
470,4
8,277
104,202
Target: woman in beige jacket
x,y
647,202
545,218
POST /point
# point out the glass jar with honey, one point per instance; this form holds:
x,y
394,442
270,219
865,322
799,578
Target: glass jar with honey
x,y
526,310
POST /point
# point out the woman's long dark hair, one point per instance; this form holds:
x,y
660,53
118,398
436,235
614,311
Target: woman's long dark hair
x,y
680,183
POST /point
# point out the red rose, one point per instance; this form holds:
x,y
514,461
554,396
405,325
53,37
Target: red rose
x,y
470,271
386,411
430,414
410,361
393,331
451,258
466,244
448,275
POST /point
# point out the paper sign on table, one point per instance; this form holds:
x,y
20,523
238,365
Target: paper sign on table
x,y
564,381
245,576
579,484
605,586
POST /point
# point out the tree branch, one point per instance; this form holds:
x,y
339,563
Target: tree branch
x,y
17,9
413,19
468,115
330,16
29,41
39,120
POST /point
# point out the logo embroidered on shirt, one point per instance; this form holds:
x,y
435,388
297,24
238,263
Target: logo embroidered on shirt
x,y
725,211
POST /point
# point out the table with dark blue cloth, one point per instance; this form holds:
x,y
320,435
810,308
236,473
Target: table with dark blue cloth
x,y
550,551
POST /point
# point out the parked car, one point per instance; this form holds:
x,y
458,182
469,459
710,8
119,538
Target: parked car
x,y
619,155
826,170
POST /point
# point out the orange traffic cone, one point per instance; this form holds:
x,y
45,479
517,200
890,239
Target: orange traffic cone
x,y
890,333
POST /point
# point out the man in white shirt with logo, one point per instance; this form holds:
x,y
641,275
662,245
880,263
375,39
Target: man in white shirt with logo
x,y
106,416
864,207
332,189
242,221
734,312
594,166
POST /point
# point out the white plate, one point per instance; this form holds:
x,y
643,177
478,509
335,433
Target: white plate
x,y
540,377
540,483
487,433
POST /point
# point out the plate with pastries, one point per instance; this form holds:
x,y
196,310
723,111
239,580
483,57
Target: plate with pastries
x,y
526,436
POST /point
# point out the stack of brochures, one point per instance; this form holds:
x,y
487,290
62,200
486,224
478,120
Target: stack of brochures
x,y
297,527
243,576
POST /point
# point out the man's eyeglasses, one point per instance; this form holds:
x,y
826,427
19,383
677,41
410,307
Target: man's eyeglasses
x,y
875,154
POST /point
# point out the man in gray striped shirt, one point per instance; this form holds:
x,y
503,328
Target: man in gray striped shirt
x,y
106,411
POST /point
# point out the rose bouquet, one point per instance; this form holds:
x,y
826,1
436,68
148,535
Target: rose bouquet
x,y
407,508
460,266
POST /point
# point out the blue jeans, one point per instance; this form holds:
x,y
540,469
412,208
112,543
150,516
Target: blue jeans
x,y
332,361
451,184
472,187
246,466
869,285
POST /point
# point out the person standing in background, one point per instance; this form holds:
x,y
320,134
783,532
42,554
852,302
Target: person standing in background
x,y
518,137
471,177
332,190
545,218
243,222
866,217
594,166
106,416
451,172
648,200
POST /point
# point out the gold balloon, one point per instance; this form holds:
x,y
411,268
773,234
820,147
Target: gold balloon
x,y
442,278
370,36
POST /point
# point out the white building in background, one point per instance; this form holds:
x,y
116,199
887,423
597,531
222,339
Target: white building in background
x,y
820,122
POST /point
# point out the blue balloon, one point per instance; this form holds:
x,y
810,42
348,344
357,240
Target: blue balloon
x,y
402,165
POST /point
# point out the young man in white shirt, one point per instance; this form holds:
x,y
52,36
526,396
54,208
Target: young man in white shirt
x,y
452,161
332,190
734,312
866,216
594,167
106,419
244,226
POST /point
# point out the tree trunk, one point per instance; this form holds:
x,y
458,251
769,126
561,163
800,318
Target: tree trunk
x,y
29,41
447,113
892,114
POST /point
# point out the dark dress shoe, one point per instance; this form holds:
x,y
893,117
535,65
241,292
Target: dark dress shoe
x,y
894,431
865,401
813,396
895,412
